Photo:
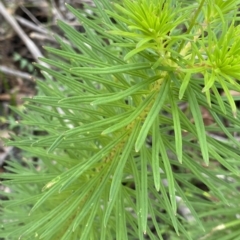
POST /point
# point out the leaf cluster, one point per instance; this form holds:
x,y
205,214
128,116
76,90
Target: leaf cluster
x,y
117,156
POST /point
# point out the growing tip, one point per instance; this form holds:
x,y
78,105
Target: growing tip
x,y
136,149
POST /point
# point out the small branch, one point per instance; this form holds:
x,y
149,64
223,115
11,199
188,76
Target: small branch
x,y
55,11
12,72
31,25
30,15
43,34
33,49
42,37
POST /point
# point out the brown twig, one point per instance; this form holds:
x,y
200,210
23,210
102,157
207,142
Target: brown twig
x,y
30,15
13,72
33,49
31,25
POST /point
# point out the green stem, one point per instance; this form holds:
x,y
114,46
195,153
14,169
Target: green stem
x,y
192,23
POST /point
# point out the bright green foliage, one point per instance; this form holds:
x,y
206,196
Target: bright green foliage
x,y
117,156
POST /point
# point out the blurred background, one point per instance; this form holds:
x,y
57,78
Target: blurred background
x,y
25,27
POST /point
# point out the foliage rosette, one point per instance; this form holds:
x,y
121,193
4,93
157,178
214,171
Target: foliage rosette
x,y
117,158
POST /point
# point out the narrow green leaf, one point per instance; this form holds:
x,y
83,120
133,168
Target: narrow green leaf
x,y
209,81
153,113
90,220
224,162
114,69
75,172
83,42
79,169
121,231
224,129
198,171
124,11
68,209
97,125
57,214
123,94
229,97
166,204
132,35
59,64
143,41
177,127
75,56
117,177
42,99
225,150
90,24
219,99
56,143
155,154
155,223
82,98
135,51
118,17
199,124
168,172
144,189
137,182
184,84
132,116
189,205
25,178
101,182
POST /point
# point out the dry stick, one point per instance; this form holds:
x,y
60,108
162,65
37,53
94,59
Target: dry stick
x,y
45,34
33,49
12,72
30,15
42,37
31,25
55,11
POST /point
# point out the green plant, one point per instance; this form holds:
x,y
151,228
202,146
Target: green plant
x,y
118,158
24,63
